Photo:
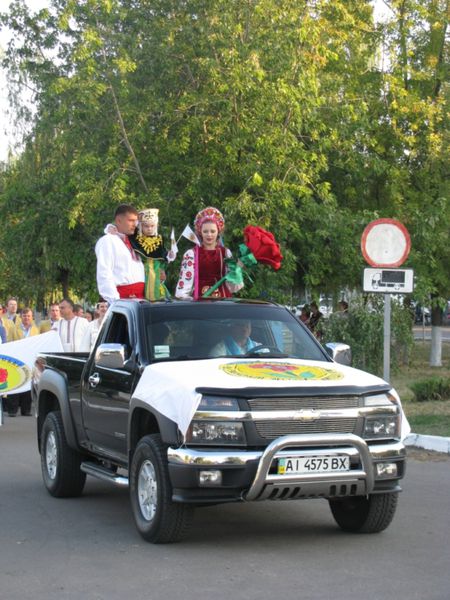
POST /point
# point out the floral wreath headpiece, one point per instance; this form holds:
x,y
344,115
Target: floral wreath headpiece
x,y
209,214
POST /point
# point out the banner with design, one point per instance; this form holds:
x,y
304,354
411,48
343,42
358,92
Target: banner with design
x,y
171,391
17,360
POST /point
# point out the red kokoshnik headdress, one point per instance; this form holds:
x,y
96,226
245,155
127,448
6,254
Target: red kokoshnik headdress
x,y
207,215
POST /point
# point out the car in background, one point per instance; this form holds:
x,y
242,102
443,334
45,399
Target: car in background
x,y
422,315
446,315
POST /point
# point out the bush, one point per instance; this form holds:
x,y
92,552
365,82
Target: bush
x,y
362,329
431,389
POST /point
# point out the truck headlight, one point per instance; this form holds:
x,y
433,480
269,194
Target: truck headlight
x,y
381,427
216,433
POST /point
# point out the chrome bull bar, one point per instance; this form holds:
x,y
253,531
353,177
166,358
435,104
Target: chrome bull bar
x,y
362,479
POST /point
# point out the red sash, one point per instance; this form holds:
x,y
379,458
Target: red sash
x,y
133,290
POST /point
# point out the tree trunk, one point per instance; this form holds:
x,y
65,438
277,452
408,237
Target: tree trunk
x,y
64,279
436,337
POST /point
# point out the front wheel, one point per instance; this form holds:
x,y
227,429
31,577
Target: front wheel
x,y
157,518
362,514
60,464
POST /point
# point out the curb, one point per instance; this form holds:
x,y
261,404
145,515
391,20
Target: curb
x,y
435,443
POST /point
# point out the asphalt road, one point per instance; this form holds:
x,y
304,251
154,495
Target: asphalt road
x,y
424,333
88,547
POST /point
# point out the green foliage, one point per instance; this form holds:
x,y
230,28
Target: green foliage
x,y
279,113
362,329
434,388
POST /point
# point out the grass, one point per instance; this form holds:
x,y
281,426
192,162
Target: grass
x,y
428,418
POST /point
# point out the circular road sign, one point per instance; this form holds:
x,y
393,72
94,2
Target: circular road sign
x,y
385,243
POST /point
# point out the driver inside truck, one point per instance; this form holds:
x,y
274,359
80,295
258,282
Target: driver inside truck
x,y
238,340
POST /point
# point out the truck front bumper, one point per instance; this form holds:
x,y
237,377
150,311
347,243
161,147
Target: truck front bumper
x,y
250,474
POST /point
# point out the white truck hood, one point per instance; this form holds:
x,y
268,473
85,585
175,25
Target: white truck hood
x,y
170,387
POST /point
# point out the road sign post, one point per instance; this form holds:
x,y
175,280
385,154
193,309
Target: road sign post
x,y
385,245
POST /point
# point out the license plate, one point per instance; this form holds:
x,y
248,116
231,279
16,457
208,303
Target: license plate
x,y
294,465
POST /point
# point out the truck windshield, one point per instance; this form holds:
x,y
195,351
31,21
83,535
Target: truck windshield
x,y
207,330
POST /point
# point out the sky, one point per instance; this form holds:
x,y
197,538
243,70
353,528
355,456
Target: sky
x,y
7,136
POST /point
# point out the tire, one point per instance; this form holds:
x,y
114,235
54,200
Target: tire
x,y
157,518
364,515
59,463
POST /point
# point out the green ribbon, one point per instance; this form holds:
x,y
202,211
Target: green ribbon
x,y
238,268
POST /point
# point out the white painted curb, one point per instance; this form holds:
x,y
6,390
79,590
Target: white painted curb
x,y
428,442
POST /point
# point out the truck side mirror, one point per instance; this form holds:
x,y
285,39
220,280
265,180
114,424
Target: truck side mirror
x,y
111,356
340,353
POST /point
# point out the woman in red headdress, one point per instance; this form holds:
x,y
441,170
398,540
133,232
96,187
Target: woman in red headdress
x,y
204,265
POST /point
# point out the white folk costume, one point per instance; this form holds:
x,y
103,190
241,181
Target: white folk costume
x,y
202,268
72,333
90,335
120,272
150,246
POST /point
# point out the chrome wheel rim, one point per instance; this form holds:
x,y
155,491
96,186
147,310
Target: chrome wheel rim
x,y
51,455
147,490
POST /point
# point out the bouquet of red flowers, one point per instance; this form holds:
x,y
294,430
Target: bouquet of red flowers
x,y
263,245
260,247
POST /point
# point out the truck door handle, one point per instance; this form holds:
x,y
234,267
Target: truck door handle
x,y
94,380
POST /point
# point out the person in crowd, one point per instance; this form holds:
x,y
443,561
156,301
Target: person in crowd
x,y
71,328
342,308
150,246
92,331
237,342
2,334
89,315
204,265
304,315
26,328
78,310
51,323
120,271
314,319
11,319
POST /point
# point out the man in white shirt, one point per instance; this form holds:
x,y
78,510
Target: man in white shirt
x,y
120,271
90,337
71,328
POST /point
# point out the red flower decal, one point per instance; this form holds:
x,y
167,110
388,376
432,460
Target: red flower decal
x,y
3,375
188,274
263,246
181,284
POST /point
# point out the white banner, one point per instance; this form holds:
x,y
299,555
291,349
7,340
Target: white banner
x,y
171,390
17,360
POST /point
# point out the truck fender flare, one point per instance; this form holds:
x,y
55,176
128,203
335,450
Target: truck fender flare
x,y
56,384
167,428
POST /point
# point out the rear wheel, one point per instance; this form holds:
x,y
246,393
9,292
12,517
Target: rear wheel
x,y
60,464
157,518
362,514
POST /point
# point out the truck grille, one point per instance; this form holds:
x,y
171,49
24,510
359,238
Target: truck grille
x,y
303,403
273,429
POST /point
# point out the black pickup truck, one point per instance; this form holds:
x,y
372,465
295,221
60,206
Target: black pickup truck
x,y
173,403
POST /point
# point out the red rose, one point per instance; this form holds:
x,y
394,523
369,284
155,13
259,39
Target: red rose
x,y
263,246
3,375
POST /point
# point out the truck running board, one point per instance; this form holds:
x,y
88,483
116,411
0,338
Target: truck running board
x,y
104,473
